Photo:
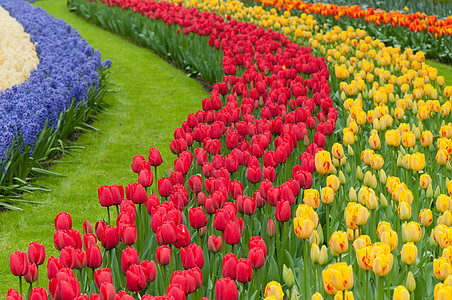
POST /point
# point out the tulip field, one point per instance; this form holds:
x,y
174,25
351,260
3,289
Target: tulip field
x,y
317,165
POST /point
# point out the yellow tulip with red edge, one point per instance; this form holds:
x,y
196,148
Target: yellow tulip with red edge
x,y
426,138
404,210
425,181
303,227
327,195
442,157
337,151
376,162
382,264
364,257
342,276
344,295
323,162
409,253
441,268
328,281
415,231
274,289
442,203
390,238
382,227
366,156
317,296
333,182
408,139
361,241
307,212
417,161
311,197
338,242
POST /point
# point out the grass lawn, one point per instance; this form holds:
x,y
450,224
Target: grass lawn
x,y
150,99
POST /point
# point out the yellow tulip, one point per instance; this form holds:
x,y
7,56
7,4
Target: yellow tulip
x,y
409,253
449,187
401,293
415,231
442,291
327,195
426,138
323,162
328,281
390,238
417,161
382,264
392,137
344,295
355,215
442,157
317,296
361,241
425,181
426,217
404,210
441,268
410,282
307,212
315,253
366,156
376,162
337,151
382,227
303,227
311,197
333,182
374,141
338,242
408,139
342,276
443,203
274,289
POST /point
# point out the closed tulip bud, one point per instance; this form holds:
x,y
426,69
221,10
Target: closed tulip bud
x,y
352,195
382,176
429,192
32,274
399,160
410,282
383,201
359,173
432,241
368,179
323,258
437,192
348,168
336,162
288,277
342,180
404,210
409,253
401,293
315,253
271,230
350,151
314,238
63,221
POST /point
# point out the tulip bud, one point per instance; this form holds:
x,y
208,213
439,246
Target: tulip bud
x,y
271,230
382,176
323,258
336,162
429,193
293,295
359,173
315,253
383,200
432,241
342,179
410,282
348,168
368,179
320,232
352,195
350,151
288,277
400,160
437,192
343,161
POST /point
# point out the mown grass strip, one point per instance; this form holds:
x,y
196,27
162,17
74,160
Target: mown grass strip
x,y
150,99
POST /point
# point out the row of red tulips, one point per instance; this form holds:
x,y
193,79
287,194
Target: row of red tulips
x,y
236,172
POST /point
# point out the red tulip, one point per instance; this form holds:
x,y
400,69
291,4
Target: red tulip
x,y
136,193
128,234
138,162
282,212
214,243
110,195
102,276
166,234
244,272
38,293
32,274
135,278
89,239
107,291
129,257
18,263
185,280
36,253
183,236
155,159
93,256
63,221
54,265
149,269
122,295
232,233
229,265
254,174
256,257
226,289
192,257
197,217
195,183
163,255
87,228
109,237
249,205
258,242
165,186
13,295
145,178
176,291
64,286
98,227
271,230
68,257
222,217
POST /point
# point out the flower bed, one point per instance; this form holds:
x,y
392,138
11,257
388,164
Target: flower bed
x,y
59,96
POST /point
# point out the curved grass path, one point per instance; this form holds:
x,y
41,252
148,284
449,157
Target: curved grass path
x,y
151,99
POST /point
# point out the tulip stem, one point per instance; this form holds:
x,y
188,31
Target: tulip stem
x,y
381,283
327,222
366,284
20,285
108,211
305,267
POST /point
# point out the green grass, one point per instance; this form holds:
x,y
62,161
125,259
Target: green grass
x,y
443,70
151,99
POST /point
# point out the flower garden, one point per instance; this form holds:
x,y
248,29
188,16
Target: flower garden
x,y
317,166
